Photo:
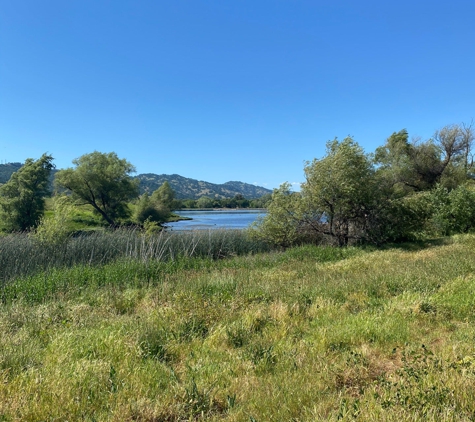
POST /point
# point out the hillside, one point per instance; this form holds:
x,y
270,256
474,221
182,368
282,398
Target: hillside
x,y
193,189
6,170
185,188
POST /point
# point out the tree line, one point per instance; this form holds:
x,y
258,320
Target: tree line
x,y
405,190
101,181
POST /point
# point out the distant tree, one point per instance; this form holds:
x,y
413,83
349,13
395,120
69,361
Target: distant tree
x,y
147,209
165,196
189,203
103,181
204,202
55,229
22,197
261,202
240,201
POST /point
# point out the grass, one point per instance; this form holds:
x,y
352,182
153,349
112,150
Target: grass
x,y
22,255
312,333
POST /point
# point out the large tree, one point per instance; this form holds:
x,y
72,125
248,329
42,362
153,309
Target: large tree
x,y
420,165
339,200
102,180
22,197
338,195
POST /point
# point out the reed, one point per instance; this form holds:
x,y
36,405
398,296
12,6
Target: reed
x,y
22,254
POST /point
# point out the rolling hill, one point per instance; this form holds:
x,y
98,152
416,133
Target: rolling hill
x,y
193,189
185,188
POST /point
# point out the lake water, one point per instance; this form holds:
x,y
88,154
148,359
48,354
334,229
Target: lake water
x,y
216,219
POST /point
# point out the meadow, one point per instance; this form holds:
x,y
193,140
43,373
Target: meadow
x,y
223,329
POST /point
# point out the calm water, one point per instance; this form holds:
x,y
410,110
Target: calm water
x,y
216,219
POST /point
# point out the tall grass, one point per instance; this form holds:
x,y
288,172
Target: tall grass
x,y
22,255
308,334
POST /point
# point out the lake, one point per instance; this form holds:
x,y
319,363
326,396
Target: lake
x,y
215,219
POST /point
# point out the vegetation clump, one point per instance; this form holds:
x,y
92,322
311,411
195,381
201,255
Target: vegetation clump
x,y
406,190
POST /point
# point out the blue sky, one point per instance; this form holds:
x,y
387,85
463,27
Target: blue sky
x,y
228,89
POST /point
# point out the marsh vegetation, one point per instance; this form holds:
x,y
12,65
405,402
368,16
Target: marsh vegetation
x,y
310,333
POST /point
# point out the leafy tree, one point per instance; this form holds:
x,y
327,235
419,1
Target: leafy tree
x,y
165,196
103,181
261,202
149,210
340,192
453,211
205,202
22,197
282,223
421,165
189,203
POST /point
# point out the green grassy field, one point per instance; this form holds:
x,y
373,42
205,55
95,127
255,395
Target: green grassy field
x,y
308,334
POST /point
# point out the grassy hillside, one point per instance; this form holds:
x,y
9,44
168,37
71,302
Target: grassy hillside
x,y
6,170
186,188
308,334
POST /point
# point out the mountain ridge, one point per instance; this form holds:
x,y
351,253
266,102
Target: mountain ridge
x,y
187,188
184,187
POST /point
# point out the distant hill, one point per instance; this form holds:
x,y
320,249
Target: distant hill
x,y
6,170
194,189
184,187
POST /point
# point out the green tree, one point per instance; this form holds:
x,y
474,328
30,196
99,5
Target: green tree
x,y
339,193
205,202
189,203
103,181
148,209
453,211
261,202
165,196
22,197
421,165
282,223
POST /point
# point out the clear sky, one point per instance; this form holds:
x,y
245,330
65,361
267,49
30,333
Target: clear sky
x,y
221,90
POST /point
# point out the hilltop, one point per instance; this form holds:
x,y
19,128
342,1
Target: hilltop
x,y
193,189
185,188
6,170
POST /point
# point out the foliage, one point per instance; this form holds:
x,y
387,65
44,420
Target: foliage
x,y
102,181
340,192
453,211
147,209
261,202
205,202
420,165
281,224
22,197
164,196
406,190
55,229
238,201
